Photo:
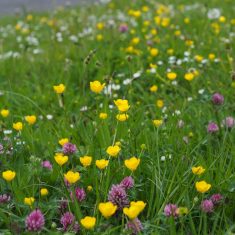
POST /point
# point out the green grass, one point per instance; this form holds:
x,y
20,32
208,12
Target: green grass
x,y
27,89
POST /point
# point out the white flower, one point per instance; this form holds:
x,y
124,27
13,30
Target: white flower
x,y
84,108
204,61
37,51
179,62
49,116
213,13
137,74
164,109
73,38
127,81
201,91
7,132
32,41
163,158
116,87
177,112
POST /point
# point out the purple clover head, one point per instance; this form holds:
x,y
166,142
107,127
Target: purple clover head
x,y
216,198
212,128
69,148
79,193
123,28
171,210
135,226
228,122
35,221
47,164
127,182
4,198
207,206
69,223
117,195
217,99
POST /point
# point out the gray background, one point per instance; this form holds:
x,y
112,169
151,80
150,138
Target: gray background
x,y
13,6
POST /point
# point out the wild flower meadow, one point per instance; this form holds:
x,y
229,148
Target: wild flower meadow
x,y
118,118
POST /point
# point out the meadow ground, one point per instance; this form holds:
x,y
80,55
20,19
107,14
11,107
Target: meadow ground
x,y
118,118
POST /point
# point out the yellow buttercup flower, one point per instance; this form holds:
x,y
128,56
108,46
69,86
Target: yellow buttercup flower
x,y
159,103
5,112
107,209
100,26
8,175
18,27
198,58
211,56
122,117
135,41
72,177
86,160
202,186
44,191
154,32
60,159
177,33
29,201
186,20
113,150
171,76
99,37
157,122
132,212
31,119
165,22
63,141
170,51
154,52
145,8
140,204
153,88
198,170
189,76
222,19
122,105
18,126
132,163
189,43
96,86
88,222
136,14
29,17
102,163
59,89
103,116
89,188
